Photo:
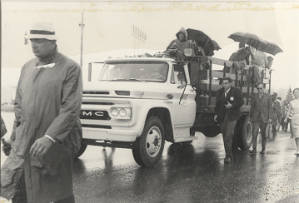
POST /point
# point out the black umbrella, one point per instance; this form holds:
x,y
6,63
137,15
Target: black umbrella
x,y
204,41
256,42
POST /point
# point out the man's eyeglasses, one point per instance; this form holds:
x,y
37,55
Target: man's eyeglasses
x,y
259,88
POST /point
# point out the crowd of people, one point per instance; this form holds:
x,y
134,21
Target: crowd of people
x,y
280,117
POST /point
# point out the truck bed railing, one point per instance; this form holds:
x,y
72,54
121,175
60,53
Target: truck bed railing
x,y
241,74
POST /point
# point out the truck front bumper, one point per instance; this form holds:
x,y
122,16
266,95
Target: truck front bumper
x,y
109,135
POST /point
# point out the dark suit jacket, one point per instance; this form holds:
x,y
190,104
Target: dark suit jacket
x,y
234,96
261,108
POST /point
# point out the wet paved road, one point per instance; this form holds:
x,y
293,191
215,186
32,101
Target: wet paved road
x,y
191,174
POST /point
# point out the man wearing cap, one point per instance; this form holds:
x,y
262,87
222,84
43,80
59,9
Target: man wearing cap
x,y
47,106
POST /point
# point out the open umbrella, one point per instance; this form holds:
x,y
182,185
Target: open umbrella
x,y
203,40
256,42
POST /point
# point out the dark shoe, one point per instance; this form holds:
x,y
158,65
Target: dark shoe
x,y
262,152
253,151
227,160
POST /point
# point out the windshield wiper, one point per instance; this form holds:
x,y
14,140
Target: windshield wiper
x,y
126,79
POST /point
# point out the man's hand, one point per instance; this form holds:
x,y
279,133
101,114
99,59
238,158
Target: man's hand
x,y
228,105
40,146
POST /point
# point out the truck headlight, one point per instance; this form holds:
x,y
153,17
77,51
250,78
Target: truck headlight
x,y
123,113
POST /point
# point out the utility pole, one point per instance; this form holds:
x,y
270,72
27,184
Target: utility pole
x,y
81,25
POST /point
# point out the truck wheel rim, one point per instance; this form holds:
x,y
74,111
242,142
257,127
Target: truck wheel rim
x,y
153,141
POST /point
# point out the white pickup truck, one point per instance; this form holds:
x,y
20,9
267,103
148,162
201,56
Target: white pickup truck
x,y
138,103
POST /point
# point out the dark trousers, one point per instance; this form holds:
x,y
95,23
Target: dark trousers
x,y
255,130
285,125
20,196
227,130
274,130
275,127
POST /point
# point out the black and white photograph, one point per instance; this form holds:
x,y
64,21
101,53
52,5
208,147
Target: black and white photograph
x,y
149,101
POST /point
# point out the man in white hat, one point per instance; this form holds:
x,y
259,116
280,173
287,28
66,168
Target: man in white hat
x,y
47,107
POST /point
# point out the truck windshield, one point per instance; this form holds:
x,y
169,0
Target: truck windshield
x,y
150,71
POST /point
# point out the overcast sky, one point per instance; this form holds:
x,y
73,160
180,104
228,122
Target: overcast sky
x,y
109,27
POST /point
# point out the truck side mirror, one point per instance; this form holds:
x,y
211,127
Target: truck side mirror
x,y
89,71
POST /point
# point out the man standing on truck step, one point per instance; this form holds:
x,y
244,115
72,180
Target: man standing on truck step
x,y
227,112
261,104
180,44
47,108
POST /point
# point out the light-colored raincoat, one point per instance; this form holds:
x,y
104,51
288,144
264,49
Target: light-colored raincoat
x,y
181,45
48,102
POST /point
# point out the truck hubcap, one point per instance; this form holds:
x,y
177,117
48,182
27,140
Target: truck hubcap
x,y
153,141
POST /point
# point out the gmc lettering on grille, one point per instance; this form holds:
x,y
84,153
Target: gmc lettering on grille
x,y
94,115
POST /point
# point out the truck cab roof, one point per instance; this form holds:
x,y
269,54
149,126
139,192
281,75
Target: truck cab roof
x,y
127,59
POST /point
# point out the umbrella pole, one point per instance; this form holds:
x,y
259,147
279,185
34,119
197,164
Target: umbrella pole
x,y
252,80
242,80
269,104
210,82
248,82
236,73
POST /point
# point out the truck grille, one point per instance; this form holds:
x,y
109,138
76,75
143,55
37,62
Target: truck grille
x,y
94,115
97,103
95,92
96,126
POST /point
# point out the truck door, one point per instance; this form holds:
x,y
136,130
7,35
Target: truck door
x,y
184,105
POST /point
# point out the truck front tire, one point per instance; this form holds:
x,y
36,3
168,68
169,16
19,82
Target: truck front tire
x,y
148,148
82,149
